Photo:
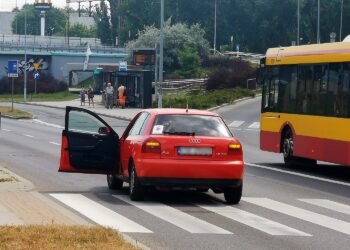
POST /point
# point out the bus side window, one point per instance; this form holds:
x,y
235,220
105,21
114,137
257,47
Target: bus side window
x,y
345,90
333,97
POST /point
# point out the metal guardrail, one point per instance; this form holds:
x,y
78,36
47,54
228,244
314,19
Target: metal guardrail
x,y
183,86
55,44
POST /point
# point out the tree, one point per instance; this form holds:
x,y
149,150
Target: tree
x,y
80,30
55,18
102,19
177,38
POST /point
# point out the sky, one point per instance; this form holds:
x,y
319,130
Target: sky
x,y
8,5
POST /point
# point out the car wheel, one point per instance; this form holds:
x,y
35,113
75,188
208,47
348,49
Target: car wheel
x,y
233,195
136,189
114,183
288,152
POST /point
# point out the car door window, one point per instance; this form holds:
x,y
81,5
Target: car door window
x,y
83,122
136,128
142,131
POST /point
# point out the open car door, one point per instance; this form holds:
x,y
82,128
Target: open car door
x,y
89,144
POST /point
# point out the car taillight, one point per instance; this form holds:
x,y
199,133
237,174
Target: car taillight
x,y
151,146
234,148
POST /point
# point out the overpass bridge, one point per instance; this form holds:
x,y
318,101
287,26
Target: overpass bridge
x,y
56,57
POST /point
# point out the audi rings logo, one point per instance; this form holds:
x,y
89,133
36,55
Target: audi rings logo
x,y
194,141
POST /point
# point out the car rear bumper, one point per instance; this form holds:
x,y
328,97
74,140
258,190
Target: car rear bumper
x,y
189,169
182,182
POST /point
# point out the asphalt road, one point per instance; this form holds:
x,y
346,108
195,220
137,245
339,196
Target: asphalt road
x,y
298,208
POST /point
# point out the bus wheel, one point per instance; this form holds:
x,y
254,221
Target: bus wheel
x,y
288,148
288,152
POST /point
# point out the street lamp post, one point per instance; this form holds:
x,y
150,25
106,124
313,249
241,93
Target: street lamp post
x,y
161,55
298,33
318,22
341,20
215,9
25,52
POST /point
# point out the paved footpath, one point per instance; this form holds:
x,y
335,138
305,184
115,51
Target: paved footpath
x,y
125,114
20,205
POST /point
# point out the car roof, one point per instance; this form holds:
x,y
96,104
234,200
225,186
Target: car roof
x,y
173,111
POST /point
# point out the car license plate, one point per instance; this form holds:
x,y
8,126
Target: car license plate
x,y
194,151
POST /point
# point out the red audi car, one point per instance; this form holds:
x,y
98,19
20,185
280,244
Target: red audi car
x,y
159,148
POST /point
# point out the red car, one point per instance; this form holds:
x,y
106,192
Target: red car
x,y
159,148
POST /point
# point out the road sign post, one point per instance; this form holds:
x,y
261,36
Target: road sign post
x,y
12,72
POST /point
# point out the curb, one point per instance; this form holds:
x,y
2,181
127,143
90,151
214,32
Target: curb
x,y
234,102
20,183
61,108
16,118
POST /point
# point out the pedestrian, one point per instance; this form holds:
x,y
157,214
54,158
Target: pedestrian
x,y
82,97
109,95
90,94
121,95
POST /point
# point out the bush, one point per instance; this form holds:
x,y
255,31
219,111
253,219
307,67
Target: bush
x,y
205,100
231,73
46,84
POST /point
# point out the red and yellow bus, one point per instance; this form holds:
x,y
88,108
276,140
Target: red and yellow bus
x,y
306,103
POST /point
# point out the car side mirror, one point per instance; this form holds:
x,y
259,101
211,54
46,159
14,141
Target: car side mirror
x,y
104,131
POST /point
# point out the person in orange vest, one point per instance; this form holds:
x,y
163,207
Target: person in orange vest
x,y
121,95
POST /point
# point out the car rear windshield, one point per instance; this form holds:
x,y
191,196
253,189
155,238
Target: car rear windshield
x,y
190,125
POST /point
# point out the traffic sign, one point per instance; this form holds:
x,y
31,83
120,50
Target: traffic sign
x,y
12,68
36,66
36,75
123,66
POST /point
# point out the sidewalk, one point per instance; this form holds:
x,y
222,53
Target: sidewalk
x,y
20,205
124,114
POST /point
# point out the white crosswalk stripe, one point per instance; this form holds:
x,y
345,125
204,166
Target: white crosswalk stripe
x,y
104,216
331,205
100,214
254,125
176,217
302,214
236,124
254,221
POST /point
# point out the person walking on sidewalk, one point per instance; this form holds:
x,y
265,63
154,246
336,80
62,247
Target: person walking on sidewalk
x,y
109,95
90,94
82,97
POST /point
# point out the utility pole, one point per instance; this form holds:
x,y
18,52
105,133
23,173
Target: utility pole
x,y
341,20
318,21
215,26
161,54
298,35
25,52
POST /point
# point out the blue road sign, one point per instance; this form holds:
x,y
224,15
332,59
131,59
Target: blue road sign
x,y
36,75
123,66
12,68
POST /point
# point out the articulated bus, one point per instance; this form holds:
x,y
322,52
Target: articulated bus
x,y
306,103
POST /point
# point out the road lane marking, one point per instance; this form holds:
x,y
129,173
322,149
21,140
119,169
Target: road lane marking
x,y
100,214
30,136
6,130
254,221
302,214
255,125
47,124
236,124
55,143
298,174
331,205
176,217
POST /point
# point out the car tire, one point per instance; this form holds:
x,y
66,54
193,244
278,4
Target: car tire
x,y
202,190
114,183
136,189
233,195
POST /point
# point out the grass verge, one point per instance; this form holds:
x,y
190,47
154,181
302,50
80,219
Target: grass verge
x,y
61,237
60,96
205,100
16,113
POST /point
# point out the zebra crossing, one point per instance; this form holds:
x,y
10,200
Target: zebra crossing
x,y
188,222
239,125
